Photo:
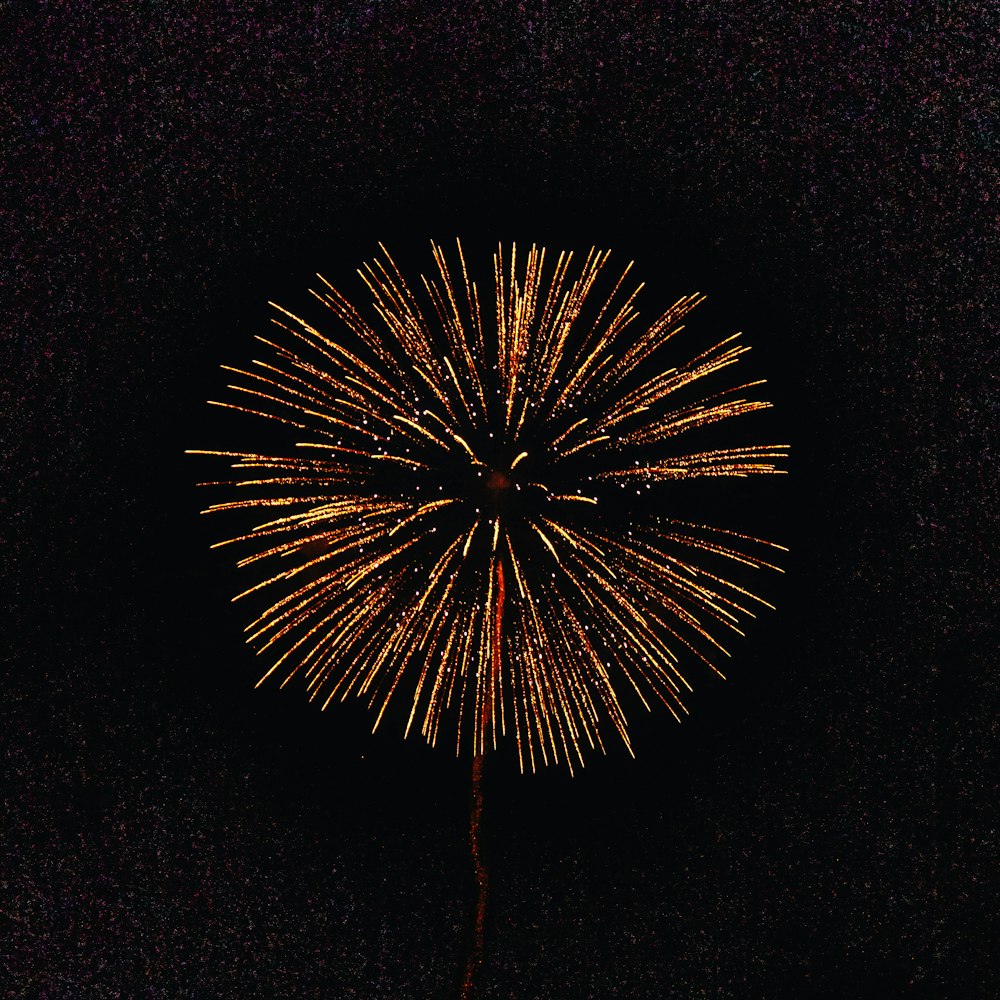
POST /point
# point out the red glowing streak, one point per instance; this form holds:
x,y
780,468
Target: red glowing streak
x,y
482,878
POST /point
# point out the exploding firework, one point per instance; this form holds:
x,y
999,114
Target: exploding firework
x,y
467,522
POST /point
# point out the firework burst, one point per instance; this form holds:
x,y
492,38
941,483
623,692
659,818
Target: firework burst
x,y
464,524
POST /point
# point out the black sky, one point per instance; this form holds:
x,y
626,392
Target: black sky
x,y
825,825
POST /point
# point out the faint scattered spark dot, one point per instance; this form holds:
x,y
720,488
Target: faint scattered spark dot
x,y
444,445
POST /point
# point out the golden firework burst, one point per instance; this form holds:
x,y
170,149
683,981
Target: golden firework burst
x,y
456,526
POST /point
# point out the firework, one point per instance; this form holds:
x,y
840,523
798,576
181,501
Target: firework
x,y
464,521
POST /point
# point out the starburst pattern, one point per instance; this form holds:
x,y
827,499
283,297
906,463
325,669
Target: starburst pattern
x,y
457,526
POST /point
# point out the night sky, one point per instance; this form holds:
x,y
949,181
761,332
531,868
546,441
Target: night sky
x,y
826,823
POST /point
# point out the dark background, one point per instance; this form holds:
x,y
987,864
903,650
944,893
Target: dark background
x,y
826,823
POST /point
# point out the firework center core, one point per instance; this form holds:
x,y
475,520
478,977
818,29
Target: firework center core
x,y
498,482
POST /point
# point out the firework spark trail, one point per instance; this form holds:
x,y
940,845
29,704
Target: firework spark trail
x,y
439,456
487,703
